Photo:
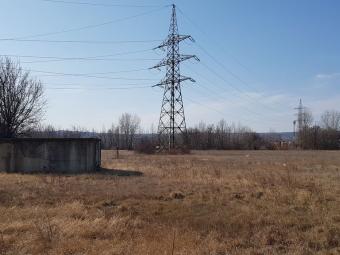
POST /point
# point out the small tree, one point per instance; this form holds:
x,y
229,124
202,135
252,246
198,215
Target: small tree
x,y
129,126
305,132
21,100
330,120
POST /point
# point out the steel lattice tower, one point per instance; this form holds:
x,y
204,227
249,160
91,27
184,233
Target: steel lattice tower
x,y
300,122
172,126
300,116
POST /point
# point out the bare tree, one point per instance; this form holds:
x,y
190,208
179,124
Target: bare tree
x,y
330,120
129,125
221,131
21,100
307,118
305,134
329,135
111,137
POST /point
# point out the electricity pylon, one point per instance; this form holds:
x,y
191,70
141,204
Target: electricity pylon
x,y
300,123
172,126
300,116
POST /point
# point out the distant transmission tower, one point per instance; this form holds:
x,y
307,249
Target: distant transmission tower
x,y
300,116
172,126
300,123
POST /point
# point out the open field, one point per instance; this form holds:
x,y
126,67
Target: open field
x,y
230,202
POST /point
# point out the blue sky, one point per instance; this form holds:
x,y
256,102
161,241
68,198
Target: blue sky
x,y
258,57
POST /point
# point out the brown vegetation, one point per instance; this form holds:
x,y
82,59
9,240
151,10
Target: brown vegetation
x,y
226,202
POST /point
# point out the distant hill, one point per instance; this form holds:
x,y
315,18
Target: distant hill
x,y
286,136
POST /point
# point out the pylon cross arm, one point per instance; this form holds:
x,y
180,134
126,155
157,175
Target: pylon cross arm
x,y
169,61
174,39
176,81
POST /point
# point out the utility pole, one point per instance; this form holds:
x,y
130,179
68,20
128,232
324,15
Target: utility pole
x,y
172,126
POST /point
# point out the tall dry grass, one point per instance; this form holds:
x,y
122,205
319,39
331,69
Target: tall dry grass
x,y
231,202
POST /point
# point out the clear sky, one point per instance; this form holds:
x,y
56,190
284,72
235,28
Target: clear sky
x,y
258,57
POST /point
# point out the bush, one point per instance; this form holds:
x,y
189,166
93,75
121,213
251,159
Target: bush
x,y
146,146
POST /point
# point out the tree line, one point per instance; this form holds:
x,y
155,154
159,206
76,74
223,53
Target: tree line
x,y
22,105
323,135
127,134
222,136
121,135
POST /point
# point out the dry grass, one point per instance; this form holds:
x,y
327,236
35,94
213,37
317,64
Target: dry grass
x,y
231,202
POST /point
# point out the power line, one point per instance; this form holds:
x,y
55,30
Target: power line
x,y
91,58
208,107
226,69
220,96
90,26
246,96
217,97
206,35
222,78
211,108
102,77
250,112
102,57
84,60
58,59
233,74
214,109
77,41
96,88
49,73
251,117
82,74
97,84
220,63
99,4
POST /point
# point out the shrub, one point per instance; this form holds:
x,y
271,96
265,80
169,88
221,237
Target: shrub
x,y
146,146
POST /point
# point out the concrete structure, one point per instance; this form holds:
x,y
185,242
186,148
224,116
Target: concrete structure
x,y
53,155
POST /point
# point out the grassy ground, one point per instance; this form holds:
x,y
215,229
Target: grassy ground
x,y
219,203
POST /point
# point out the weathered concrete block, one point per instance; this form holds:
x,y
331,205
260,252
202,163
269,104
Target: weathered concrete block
x,y
53,155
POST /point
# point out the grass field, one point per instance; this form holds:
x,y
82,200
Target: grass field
x,y
219,203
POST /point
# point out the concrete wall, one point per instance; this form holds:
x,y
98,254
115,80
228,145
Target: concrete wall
x,y
54,155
